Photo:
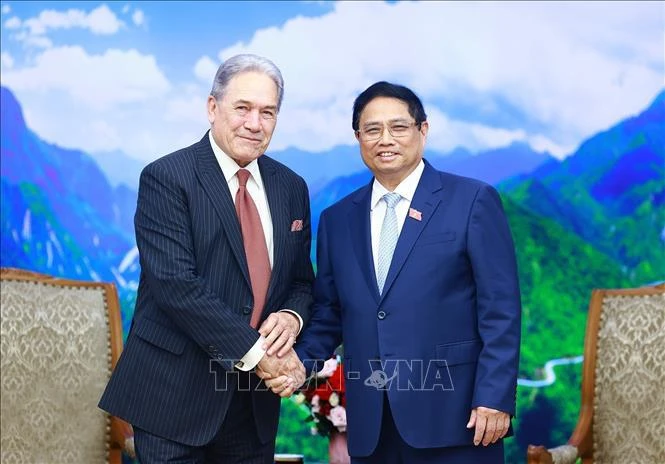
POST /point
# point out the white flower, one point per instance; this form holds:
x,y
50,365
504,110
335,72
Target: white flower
x,y
328,368
334,399
338,418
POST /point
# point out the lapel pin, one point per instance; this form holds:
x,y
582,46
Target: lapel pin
x,y
415,214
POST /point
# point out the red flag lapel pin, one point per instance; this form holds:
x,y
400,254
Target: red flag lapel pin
x,y
415,214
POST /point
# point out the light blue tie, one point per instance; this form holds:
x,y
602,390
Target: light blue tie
x,y
387,239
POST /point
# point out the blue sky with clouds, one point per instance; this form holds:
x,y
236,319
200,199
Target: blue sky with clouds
x,y
134,76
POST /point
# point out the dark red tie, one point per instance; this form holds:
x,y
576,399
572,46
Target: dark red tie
x,y
256,249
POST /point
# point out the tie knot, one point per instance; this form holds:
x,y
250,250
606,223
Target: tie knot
x,y
243,175
392,199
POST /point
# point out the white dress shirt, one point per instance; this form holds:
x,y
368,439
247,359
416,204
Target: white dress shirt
x,y
407,189
254,187
257,192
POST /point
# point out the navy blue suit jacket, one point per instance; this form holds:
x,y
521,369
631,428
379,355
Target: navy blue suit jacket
x,y
444,336
191,321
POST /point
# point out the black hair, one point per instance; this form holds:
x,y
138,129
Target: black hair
x,y
386,89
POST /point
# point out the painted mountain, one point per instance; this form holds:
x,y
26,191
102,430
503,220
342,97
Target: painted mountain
x,y
597,219
59,213
611,192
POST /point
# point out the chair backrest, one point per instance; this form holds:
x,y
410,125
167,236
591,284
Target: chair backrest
x,y
59,342
626,350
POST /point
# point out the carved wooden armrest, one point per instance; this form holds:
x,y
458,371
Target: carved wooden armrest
x,y
565,454
122,436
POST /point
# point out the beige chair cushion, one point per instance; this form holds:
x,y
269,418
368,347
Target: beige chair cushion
x,y
629,403
55,362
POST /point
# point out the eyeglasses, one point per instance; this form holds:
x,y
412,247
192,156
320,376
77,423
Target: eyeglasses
x,y
396,130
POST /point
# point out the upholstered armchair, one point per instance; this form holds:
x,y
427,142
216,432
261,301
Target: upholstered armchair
x,y
60,339
622,417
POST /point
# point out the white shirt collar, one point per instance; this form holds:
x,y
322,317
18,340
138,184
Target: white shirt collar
x,y
406,188
230,167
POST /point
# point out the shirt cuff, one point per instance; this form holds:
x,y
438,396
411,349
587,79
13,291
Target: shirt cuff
x,y
290,311
252,357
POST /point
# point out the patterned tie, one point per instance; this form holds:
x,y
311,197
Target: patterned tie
x,y
254,242
387,239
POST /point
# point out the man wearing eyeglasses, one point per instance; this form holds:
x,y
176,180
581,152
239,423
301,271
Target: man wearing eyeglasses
x,y
223,234
417,277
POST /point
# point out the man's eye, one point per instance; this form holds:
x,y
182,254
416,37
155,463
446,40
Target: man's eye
x,y
269,115
399,128
372,131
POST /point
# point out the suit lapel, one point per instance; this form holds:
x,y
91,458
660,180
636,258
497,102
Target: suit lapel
x,y
361,237
279,213
212,179
426,199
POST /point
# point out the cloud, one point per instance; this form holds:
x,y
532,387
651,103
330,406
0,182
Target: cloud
x,y
33,32
489,74
125,9
113,100
100,21
100,81
544,144
6,60
37,41
445,135
205,69
141,129
138,17
13,23
6,9
566,70
326,126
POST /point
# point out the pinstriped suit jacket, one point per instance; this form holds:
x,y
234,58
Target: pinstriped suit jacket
x,y
194,300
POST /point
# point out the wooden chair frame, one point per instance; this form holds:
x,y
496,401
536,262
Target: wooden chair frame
x,y
121,436
582,436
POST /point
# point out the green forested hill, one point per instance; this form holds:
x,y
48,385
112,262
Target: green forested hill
x,y
557,272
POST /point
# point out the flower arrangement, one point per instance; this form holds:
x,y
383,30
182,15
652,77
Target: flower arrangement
x,y
324,396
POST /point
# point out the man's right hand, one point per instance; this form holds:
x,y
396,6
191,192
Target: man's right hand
x,y
282,375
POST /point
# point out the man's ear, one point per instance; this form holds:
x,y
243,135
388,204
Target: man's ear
x,y
424,128
211,105
357,134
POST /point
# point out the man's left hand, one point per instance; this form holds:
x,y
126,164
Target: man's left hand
x,y
491,425
283,376
284,386
280,330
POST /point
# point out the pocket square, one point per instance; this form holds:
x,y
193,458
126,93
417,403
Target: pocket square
x,y
296,225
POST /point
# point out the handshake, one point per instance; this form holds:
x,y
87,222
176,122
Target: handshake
x,y
283,375
280,368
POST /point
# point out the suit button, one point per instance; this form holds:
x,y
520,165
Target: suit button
x,y
211,348
246,310
381,315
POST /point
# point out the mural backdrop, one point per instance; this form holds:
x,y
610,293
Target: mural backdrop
x,y
559,105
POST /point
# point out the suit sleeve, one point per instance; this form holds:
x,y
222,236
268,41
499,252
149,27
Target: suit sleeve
x,y
492,255
165,242
323,333
299,298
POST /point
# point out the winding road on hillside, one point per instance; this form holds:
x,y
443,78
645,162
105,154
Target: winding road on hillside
x,y
550,375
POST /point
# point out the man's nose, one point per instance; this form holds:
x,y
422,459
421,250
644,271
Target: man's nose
x,y
253,121
386,136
